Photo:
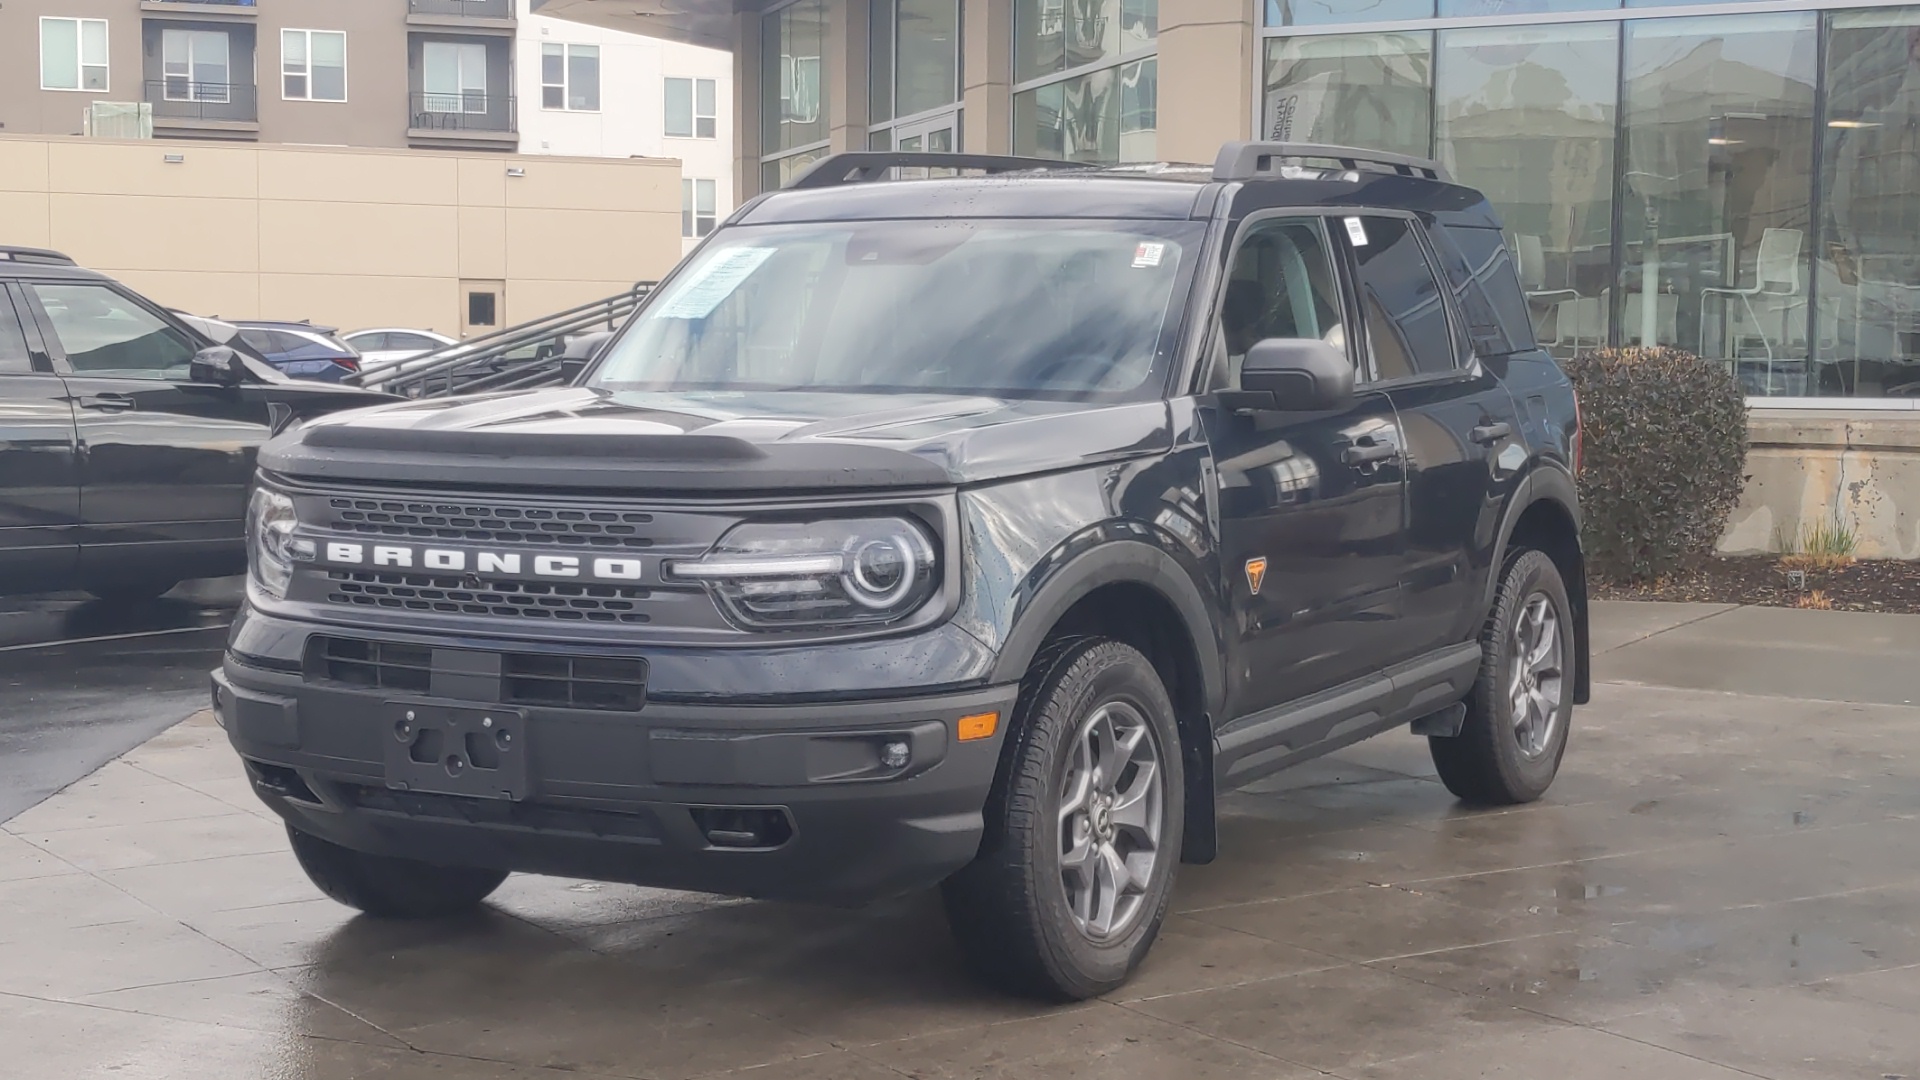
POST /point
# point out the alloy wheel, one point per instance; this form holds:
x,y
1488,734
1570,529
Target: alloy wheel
x,y
1112,814
1537,681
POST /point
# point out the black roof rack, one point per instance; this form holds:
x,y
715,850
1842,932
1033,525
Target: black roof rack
x,y
867,167
35,255
1251,160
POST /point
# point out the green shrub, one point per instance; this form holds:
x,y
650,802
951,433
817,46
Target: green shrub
x,y
1664,436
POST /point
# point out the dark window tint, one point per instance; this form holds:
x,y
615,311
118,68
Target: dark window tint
x,y
480,309
105,333
1282,286
1406,318
1481,272
13,340
259,340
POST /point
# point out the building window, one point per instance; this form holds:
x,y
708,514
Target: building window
x,y
570,77
195,65
313,65
693,110
1368,90
454,76
1090,79
73,54
794,97
697,207
914,49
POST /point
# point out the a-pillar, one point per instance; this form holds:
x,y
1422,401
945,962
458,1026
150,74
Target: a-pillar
x,y
1206,77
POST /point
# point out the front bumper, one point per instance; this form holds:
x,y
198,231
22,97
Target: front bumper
x,y
789,802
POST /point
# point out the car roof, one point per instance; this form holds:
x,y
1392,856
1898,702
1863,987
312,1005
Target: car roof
x,y
281,324
396,330
32,262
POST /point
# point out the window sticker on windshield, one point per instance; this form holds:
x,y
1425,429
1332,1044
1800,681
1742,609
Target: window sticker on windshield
x,y
1148,254
1356,232
696,297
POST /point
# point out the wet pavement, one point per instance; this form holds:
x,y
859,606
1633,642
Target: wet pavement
x,y
83,681
1721,885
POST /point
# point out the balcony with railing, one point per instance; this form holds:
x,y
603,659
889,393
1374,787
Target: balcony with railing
x,y
187,106
463,117
466,15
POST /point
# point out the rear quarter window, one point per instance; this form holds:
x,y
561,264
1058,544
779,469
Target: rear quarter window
x,y
1486,288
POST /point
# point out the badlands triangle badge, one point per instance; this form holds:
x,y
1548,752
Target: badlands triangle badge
x,y
1256,574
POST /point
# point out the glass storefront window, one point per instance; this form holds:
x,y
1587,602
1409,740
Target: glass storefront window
x,y
1333,12
1867,264
1474,8
1106,117
1368,90
1527,116
793,88
929,51
1716,191
1051,36
775,174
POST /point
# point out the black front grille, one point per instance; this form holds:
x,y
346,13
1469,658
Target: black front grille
x,y
382,665
536,816
515,599
491,523
573,682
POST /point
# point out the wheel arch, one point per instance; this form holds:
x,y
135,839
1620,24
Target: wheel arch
x,y
1544,515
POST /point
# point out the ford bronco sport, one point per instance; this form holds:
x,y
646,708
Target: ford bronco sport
x,y
973,531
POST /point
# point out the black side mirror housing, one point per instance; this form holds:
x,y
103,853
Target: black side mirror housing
x,y
219,366
1297,375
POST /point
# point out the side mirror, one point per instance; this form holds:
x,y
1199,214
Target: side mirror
x,y
1298,374
219,366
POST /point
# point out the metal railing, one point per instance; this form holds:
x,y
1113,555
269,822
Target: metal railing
x,y
469,110
470,9
180,98
522,357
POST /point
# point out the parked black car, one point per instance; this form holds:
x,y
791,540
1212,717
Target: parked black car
x,y
127,434
972,531
301,350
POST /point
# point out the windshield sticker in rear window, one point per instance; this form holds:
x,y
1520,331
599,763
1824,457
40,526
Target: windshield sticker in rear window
x,y
1148,254
1356,232
708,285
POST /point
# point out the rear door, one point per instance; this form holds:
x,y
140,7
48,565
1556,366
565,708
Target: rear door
x,y
165,461
1460,424
39,462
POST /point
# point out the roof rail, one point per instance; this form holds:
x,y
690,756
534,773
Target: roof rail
x,y
867,167
1249,160
35,255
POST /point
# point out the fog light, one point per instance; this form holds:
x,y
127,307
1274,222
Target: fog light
x,y
895,755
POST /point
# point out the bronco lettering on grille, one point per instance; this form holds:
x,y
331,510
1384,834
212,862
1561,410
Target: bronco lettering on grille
x,y
460,560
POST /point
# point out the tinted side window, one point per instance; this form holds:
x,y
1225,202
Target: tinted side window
x,y
13,340
260,340
105,333
1282,286
377,342
1482,275
1406,317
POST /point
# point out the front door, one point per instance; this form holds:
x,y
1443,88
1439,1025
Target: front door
x,y
931,135
39,466
1458,419
165,461
1311,523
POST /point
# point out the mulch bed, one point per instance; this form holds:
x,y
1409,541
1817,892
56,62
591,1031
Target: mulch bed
x,y
1865,585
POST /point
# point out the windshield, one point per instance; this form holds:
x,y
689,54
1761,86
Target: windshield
x,y
1076,310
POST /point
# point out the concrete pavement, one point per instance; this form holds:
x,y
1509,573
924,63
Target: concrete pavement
x,y
1721,885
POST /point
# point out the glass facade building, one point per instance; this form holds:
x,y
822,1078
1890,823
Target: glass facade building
x,y
1737,179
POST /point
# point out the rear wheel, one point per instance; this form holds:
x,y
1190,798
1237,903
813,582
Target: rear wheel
x,y
1509,748
1083,828
391,887
132,592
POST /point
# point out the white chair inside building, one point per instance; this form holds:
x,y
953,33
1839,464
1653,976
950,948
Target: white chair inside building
x,y
1578,322
1776,291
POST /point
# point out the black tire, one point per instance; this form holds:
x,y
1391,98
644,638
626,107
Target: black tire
x,y
132,592
1009,908
389,887
1489,763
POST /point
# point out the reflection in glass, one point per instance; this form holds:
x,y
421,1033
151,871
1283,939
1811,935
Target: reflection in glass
x,y
1058,35
1369,90
929,49
1472,8
1327,12
776,174
1526,115
1106,117
1867,266
1716,195
795,105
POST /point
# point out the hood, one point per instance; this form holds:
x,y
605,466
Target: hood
x,y
580,438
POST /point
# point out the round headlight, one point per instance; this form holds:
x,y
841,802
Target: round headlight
x,y
882,572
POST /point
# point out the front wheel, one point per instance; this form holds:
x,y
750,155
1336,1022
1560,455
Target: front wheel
x,y
1509,748
1083,828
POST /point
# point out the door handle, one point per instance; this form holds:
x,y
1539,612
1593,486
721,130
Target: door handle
x,y
109,402
1368,452
1488,434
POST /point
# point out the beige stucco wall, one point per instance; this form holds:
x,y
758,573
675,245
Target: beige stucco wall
x,y
350,238
1806,468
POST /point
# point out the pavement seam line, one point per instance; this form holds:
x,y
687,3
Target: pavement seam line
x,y
1676,626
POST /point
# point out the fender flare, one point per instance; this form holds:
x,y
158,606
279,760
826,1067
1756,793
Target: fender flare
x,y
1113,562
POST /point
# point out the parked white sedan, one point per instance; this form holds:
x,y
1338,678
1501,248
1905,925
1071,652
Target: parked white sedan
x,y
384,345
